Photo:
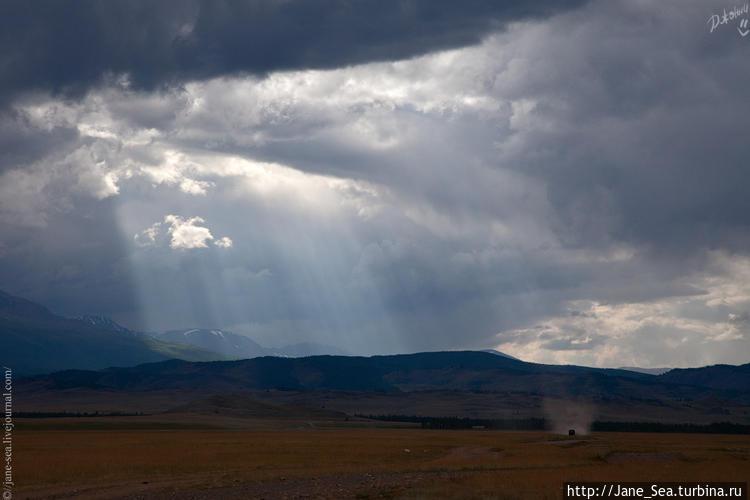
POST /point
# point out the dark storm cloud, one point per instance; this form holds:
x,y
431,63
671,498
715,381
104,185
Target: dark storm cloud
x,y
643,118
22,143
78,254
66,47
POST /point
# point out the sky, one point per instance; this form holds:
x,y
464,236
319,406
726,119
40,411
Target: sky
x,y
564,181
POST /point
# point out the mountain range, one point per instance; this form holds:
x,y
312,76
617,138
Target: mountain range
x,y
82,351
35,341
430,371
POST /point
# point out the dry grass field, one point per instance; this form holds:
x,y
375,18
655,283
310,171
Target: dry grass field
x,y
67,462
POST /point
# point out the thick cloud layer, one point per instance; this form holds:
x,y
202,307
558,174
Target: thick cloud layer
x,y
567,185
67,48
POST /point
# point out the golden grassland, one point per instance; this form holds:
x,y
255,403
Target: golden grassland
x,y
443,464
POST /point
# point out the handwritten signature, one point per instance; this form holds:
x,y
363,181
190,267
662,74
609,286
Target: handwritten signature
x,y
727,16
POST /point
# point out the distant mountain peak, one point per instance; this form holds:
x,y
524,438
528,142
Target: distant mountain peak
x,y
200,331
103,322
229,344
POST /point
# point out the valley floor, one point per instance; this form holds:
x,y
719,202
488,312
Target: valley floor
x,y
130,458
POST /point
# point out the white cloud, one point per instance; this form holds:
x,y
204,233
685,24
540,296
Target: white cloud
x,y
192,186
186,233
183,233
176,169
224,242
147,237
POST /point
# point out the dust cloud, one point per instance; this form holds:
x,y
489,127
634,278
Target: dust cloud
x,y
562,415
